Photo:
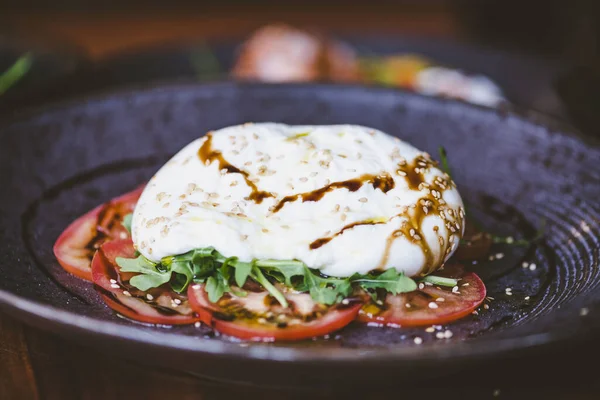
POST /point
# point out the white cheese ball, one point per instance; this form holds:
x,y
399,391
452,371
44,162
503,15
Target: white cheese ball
x,y
340,198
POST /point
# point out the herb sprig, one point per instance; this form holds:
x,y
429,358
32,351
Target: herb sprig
x,y
12,75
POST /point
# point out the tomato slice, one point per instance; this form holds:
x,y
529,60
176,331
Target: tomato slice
x,y
423,307
155,306
76,246
259,317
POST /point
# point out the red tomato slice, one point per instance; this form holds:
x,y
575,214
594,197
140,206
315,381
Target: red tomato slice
x,y
155,306
76,246
414,309
258,317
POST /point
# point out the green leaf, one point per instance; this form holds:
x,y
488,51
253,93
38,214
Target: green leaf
x,y
182,275
127,222
444,160
283,271
242,271
204,63
320,289
440,280
140,264
391,280
12,75
149,276
148,281
215,287
260,278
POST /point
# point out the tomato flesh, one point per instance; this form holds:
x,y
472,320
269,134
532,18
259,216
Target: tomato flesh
x,y
77,244
423,307
258,317
155,306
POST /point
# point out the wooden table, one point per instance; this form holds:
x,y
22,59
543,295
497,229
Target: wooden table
x,y
38,365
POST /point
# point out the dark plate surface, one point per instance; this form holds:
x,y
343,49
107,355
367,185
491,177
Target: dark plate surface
x,y
60,161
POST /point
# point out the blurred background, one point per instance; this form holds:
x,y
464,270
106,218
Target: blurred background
x,y
535,55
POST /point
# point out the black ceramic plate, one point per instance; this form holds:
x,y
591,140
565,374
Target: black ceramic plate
x,y
60,161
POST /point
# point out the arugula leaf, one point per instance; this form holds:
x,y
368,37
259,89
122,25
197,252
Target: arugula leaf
x,y
12,75
283,271
440,280
318,289
215,287
258,276
182,275
149,276
140,264
391,281
242,271
127,222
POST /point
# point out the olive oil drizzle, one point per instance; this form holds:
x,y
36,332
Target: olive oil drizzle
x,y
383,182
207,155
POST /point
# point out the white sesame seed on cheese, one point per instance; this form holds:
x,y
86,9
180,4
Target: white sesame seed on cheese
x,y
241,225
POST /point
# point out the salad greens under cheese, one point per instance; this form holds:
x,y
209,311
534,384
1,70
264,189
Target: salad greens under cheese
x,y
218,273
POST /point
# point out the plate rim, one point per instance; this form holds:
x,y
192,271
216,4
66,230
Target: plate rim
x,y
40,313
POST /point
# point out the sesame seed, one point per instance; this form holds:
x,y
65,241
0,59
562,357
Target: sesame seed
x,y
197,324
455,289
433,305
532,267
431,329
345,301
584,311
418,340
439,335
343,217
313,174
407,305
149,297
448,334
126,293
114,286
499,256
527,297
421,286
525,264
303,179
265,230
440,299
113,281
177,301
